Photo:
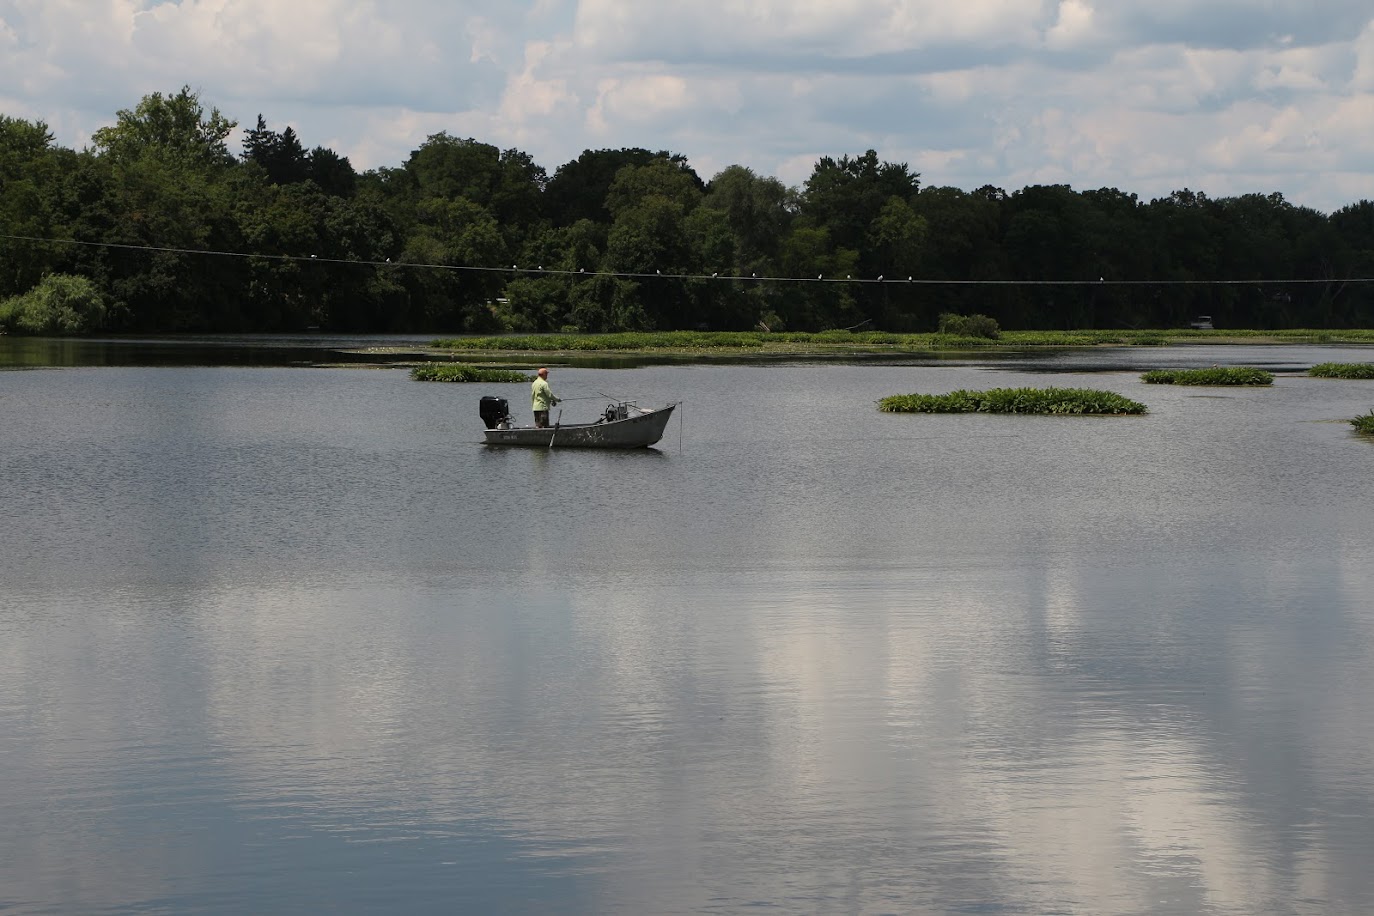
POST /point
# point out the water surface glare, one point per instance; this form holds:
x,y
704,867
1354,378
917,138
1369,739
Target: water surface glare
x,y
281,639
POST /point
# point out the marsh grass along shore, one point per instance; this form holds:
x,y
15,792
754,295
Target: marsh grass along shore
x,y
869,342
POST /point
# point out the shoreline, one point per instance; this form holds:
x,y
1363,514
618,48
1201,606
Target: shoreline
x,y
699,345
630,350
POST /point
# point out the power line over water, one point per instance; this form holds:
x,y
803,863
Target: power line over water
x,y
519,270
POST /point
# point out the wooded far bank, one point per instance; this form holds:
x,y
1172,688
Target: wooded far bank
x,y
159,227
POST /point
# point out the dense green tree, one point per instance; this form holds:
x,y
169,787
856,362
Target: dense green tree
x,y
306,276
1354,226
896,239
154,232
517,201
634,185
175,233
508,184
1355,223
174,131
1123,247
723,302
820,305
962,238
25,149
578,189
280,155
462,250
603,303
758,212
532,304
31,170
846,195
447,167
650,238
332,172
167,198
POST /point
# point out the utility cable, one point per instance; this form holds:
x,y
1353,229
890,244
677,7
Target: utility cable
x,y
658,275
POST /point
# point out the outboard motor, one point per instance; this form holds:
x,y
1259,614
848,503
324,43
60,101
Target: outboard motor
x,y
495,412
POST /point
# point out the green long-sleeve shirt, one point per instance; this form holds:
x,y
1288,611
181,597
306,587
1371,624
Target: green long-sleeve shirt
x,y
541,396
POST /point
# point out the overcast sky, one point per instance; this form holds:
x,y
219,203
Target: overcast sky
x,y
1222,96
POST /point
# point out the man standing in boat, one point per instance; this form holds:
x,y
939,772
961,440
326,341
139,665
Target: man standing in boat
x,y
542,398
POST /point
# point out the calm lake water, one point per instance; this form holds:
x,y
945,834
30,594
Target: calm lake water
x,y
282,639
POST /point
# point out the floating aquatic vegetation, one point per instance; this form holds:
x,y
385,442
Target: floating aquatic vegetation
x,y
454,372
1083,401
1342,370
1216,375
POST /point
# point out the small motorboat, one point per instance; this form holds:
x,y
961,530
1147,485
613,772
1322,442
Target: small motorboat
x,y
621,425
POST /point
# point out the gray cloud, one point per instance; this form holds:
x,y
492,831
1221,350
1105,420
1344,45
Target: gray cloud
x,y
1239,25
1228,97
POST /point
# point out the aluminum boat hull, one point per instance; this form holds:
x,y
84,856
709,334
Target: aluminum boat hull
x,y
638,431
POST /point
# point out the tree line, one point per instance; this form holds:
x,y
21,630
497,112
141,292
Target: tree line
x,y
466,237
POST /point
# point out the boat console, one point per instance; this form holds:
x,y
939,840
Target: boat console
x,y
615,412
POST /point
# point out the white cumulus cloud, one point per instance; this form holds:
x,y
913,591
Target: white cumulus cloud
x,y
1224,97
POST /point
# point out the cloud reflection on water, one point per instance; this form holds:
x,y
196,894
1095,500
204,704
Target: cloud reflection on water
x,y
962,672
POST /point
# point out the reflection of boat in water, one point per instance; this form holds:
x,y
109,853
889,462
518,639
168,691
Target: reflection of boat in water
x,y
622,425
